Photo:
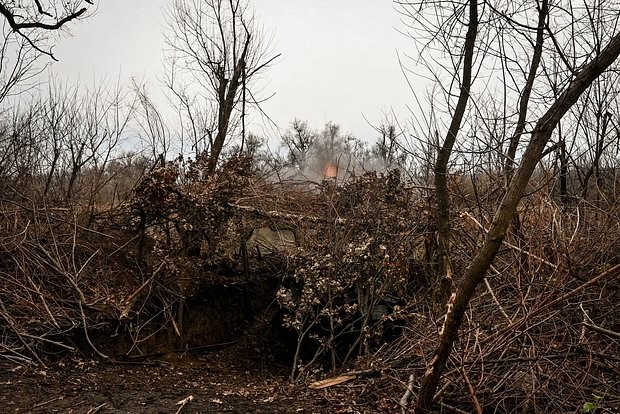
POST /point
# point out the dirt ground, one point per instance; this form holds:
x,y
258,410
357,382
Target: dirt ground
x,y
223,381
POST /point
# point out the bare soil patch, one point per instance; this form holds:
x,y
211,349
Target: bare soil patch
x,y
225,381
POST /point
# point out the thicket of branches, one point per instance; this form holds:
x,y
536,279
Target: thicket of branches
x,y
489,232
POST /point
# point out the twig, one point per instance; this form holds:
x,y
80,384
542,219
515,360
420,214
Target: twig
x,y
598,329
47,402
501,308
453,409
602,356
512,246
517,360
612,272
49,341
472,391
40,9
94,410
16,357
43,301
131,300
135,363
87,336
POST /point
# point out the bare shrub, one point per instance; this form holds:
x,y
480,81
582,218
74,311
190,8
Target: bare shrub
x,y
542,332
355,270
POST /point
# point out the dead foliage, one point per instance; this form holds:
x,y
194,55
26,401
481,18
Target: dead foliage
x,y
541,335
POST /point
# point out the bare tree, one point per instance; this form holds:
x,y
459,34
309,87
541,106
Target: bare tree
x,y
219,45
300,140
595,128
577,65
388,149
26,28
20,149
37,15
155,131
78,133
452,27
444,284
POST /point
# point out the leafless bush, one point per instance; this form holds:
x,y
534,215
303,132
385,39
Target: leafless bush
x,y
542,333
355,269
59,280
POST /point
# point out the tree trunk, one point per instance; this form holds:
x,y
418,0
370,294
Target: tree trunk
x,y
443,282
227,94
563,173
599,147
527,91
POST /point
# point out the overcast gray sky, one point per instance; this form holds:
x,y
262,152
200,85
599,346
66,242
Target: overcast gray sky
x,y
338,56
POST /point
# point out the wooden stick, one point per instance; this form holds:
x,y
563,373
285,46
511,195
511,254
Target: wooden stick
x,y
404,401
41,404
499,305
49,341
604,331
472,391
184,402
94,410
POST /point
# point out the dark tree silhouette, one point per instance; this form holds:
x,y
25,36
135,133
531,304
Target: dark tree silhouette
x,y
29,18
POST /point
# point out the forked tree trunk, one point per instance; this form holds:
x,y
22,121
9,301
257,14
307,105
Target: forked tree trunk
x,y
227,95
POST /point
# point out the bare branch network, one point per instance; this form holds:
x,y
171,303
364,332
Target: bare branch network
x,y
27,19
